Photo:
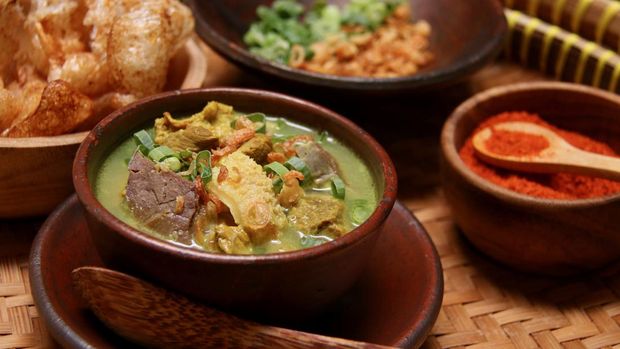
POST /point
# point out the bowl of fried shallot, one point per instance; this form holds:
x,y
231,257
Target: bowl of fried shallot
x,y
65,66
372,46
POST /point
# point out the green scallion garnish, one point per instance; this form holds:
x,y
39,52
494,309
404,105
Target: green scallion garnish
x,y
143,138
162,152
307,240
338,189
202,167
280,170
185,154
276,168
172,163
323,136
297,164
259,118
360,211
142,149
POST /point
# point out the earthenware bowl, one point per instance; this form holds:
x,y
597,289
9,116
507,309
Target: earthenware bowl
x,y
286,285
36,176
533,234
465,36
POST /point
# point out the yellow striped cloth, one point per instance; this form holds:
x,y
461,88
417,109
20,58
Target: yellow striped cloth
x,y
596,20
558,52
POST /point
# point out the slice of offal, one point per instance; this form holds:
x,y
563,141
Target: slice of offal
x,y
248,193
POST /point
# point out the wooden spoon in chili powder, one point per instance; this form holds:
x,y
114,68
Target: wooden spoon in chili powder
x,y
527,147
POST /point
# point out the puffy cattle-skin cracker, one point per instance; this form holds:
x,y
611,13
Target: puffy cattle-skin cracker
x,y
9,108
139,48
108,52
143,40
10,20
61,110
27,98
84,72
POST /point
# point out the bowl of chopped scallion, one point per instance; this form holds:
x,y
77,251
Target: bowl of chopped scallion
x,y
357,45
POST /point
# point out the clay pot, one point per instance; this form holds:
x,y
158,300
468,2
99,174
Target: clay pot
x,y
532,234
283,285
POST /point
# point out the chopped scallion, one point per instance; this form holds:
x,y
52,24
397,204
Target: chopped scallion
x,y
276,168
172,163
360,211
143,138
259,118
142,149
160,153
323,136
185,154
338,188
280,170
277,184
297,164
307,241
202,166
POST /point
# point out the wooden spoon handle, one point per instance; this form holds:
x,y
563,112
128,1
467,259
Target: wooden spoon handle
x,y
597,165
158,318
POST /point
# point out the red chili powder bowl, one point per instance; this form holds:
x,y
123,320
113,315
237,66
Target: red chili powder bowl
x,y
563,186
527,232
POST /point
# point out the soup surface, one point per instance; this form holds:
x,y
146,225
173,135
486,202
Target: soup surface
x,y
236,183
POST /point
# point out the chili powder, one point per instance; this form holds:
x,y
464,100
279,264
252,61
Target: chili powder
x,y
564,186
514,143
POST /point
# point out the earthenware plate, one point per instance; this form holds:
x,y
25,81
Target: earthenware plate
x,y
395,302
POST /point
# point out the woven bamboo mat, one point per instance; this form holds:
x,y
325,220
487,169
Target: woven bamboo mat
x,y
484,305
20,325
488,306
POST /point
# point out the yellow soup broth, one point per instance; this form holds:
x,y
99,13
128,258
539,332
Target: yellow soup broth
x,y
113,175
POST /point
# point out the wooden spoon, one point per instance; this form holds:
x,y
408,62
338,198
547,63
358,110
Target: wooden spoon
x,y
559,156
158,318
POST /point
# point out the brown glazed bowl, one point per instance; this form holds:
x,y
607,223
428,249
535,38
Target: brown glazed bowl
x,y
287,285
465,36
536,235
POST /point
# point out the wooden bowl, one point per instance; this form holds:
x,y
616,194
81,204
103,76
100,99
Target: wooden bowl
x,y
281,285
36,175
532,234
466,35
394,302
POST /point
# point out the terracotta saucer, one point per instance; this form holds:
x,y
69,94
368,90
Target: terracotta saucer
x,y
395,302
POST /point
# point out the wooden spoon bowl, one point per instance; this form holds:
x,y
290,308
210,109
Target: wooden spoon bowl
x,y
557,155
465,36
36,172
528,233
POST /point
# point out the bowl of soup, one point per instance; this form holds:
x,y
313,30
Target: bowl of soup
x,y
248,200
